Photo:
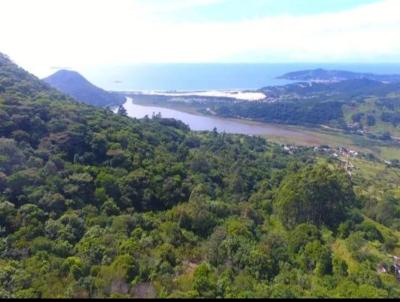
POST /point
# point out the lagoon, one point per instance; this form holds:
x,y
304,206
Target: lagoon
x,y
208,123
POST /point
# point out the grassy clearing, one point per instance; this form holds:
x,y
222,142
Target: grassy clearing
x,y
386,232
316,137
374,179
340,250
390,152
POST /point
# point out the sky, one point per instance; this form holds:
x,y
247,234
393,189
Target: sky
x,y
43,35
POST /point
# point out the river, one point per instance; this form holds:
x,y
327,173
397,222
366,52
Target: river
x,y
208,123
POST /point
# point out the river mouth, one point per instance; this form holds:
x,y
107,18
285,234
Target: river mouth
x,y
197,122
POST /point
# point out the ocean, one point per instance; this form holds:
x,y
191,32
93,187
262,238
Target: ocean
x,y
206,77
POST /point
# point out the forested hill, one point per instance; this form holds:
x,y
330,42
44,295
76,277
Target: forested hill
x,y
15,81
358,106
337,75
75,85
94,204
342,90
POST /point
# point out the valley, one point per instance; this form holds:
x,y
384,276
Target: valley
x,y
200,149
294,135
97,204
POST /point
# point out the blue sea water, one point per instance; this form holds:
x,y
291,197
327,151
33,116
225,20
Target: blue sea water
x,y
204,77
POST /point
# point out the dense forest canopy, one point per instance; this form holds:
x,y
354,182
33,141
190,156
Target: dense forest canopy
x,y
96,204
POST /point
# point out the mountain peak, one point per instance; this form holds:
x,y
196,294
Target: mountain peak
x,y
67,72
66,75
76,85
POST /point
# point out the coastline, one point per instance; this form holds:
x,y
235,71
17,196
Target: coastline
x,y
229,94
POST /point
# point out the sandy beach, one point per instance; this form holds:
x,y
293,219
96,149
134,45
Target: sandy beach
x,y
238,95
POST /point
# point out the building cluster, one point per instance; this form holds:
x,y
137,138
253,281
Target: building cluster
x,y
384,268
337,152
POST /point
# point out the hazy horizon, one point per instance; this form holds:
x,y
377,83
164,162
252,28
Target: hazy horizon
x,y
210,76
84,34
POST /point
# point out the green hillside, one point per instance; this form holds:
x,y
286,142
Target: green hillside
x,y
75,85
95,204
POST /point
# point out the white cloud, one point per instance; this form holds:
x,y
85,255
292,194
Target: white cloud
x,y
43,33
175,5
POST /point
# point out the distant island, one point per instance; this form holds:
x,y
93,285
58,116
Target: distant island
x,y
323,75
75,85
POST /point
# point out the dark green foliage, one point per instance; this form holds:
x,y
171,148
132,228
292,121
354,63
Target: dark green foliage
x,y
357,117
204,281
122,111
316,195
371,121
97,205
301,235
316,257
386,211
339,267
391,117
289,113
